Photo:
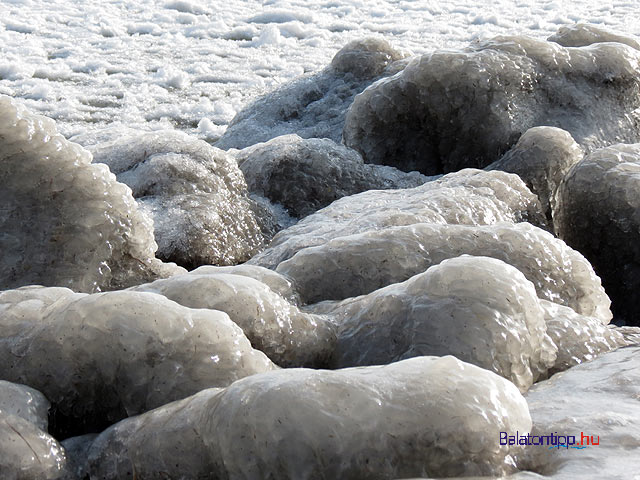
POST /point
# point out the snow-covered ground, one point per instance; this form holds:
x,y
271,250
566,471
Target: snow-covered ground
x,y
192,65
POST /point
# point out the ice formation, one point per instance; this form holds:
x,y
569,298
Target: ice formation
x,y
598,214
542,157
65,221
478,309
440,417
25,402
102,357
314,106
583,34
470,197
361,263
289,337
194,192
304,175
453,109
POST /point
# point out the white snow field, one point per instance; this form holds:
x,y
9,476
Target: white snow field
x,y
324,239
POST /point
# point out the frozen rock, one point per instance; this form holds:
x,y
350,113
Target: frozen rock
x,y
599,399
470,197
194,192
453,109
102,357
579,338
598,213
286,335
359,264
314,106
24,402
478,309
65,221
582,34
77,450
27,452
542,157
427,414
304,175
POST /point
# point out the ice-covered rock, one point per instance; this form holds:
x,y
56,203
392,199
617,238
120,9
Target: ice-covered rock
x,y
579,338
478,309
65,221
102,357
583,34
304,175
314,106
359,264
194,192
289,337
470,197
542,157
77,450
24,402
453,109
423,416
599,400
598,213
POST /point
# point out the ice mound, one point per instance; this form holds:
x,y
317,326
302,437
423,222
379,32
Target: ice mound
x,y
598,213
103,357
65,221
542,157
470,197
582,34
478,309
314,106
194,192
359,264
579,338
423,416
597,399
304,175
453,109
24,402
286,335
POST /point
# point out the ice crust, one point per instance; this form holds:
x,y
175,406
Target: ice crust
x,y
195,194
582,34
289,337
358,264
102,357
65,221
449,110
478,309
304,175
25,402
542,157
470,197
314,106
314,424
598,214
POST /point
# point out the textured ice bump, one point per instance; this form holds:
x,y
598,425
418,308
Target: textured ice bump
x,y
289,337
542,157
308,424
582,34
65,221
449,110
468,197
598,213
359,264
314,106
195,194
24,402
304,175
102,357
478,309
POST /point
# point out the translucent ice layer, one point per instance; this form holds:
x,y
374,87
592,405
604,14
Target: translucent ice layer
x,y
102,357
582,34
194,192
314,106
63,220
453,109
470,197
424,416
306,175
24,402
